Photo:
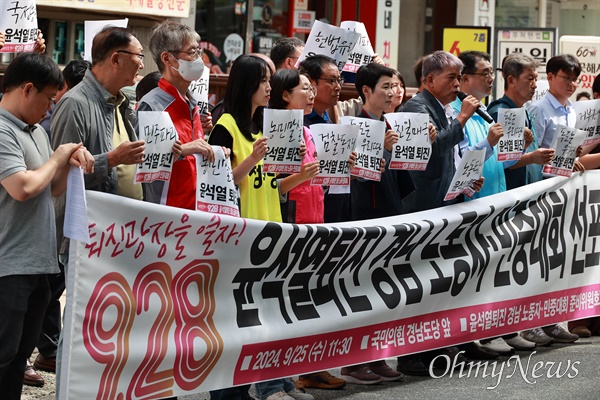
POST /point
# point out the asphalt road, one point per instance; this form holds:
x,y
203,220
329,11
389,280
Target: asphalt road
x,y
557,372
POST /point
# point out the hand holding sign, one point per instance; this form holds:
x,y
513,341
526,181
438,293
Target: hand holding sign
x,y
413,147
566,141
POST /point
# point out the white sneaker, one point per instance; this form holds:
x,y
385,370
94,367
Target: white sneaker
x,y
499,346
537,336
298,395
520,344
279,396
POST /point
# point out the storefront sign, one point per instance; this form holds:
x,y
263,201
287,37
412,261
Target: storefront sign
x,y
162,8
464,38
539,43
387,31
303,21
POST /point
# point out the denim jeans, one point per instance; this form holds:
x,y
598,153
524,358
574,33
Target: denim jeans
x,y
265,389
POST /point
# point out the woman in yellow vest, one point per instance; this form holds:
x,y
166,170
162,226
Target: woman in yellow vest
x,y
240,130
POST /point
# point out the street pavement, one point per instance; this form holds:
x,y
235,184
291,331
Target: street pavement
x,y
557,372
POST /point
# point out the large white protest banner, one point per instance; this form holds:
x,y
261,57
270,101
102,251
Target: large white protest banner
x,y
413,149
588,119
330,41
166,301
284,130
18,22
369,147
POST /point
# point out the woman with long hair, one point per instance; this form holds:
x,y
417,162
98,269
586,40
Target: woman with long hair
x,y
240,130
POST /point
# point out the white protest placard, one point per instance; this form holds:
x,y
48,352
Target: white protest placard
x,y
199,90
588,119
362,53
91,28
512,144
330,41
76,218
369,147
157,131
334,143
469,170
215,190
413,149
283,128
540,91
18,22
565,143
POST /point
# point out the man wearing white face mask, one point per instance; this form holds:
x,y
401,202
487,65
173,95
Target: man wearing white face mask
x,y
175,48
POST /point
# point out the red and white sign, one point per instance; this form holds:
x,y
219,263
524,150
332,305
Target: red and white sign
x,y
303,21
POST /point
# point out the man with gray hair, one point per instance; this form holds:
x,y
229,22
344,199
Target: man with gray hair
x,y
176,50
441,82
96,113
520,76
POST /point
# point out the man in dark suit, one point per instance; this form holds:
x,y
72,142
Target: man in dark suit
x,y
441,81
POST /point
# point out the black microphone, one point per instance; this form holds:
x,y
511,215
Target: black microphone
x,y
480,111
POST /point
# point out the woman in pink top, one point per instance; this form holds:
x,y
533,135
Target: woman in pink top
x,y
292,91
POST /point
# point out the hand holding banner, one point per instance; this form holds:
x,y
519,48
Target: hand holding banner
x,y
283,128
469,170
369,147
334,145
413,149
512,144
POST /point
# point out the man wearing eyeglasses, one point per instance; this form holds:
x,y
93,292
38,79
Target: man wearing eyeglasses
x,y
477,80
555,107
325,76
175,49
96,113
30,175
